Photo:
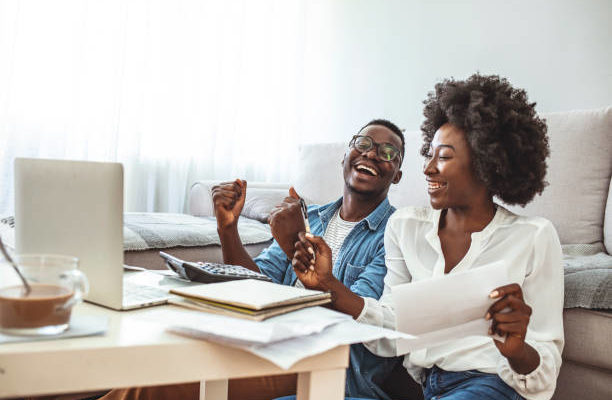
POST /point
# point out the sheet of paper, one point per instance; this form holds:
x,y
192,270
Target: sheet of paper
x,y
229,330
287,352
283,340
448,308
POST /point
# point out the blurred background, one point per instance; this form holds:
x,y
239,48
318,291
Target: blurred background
x,y
183,90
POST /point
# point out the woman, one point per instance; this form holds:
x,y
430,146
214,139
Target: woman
x,y
482,139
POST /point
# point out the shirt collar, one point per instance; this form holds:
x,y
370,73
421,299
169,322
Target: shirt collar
x,y
373,220
500,216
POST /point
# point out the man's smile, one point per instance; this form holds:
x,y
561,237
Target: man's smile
x,y
367,169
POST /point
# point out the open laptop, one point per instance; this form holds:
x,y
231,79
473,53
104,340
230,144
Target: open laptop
x,y
76,208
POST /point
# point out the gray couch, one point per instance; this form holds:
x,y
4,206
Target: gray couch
x,y
578,202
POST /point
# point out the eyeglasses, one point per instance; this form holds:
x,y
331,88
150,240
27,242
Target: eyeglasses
x,y
385,151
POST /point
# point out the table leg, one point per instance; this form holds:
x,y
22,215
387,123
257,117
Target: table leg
x,y
213,390
317,385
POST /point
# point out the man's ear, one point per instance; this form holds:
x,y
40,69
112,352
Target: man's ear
x,y
397,177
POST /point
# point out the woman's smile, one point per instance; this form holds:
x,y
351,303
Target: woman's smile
x,y
434,187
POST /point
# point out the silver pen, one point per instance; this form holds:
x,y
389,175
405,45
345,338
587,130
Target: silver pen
x,y
307,226
305,215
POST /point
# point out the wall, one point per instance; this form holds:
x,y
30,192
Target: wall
x,y
81,79
368,59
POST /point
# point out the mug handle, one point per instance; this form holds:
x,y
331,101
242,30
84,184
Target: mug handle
x,y
80,286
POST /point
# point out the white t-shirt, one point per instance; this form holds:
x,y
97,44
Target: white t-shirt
x,y
337,230
530,247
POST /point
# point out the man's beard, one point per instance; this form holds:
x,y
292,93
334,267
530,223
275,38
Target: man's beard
x,y
370,193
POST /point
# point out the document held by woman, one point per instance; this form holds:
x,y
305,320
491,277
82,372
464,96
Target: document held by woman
x,y
451,307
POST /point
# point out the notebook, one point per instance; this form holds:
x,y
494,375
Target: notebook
x,y
76,208
248,298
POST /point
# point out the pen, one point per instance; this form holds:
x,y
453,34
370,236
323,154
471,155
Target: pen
x,y
306,225
305,215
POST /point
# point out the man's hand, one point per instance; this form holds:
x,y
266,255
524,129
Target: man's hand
x,y
286,221
314,272
228,200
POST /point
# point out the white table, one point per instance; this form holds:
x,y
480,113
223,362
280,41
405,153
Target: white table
x,y
137,352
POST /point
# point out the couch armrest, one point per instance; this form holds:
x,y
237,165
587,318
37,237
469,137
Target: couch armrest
x,y
201,205
200,199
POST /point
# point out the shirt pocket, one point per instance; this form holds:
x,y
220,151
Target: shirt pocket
x,y
352,273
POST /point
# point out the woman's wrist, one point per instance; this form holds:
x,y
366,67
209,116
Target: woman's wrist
x,y
330,283
526,361
343,299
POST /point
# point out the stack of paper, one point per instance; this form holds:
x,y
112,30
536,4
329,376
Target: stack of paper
x,y
283,340
248,298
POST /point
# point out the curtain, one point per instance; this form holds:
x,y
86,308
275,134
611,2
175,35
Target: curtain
x,y
176,90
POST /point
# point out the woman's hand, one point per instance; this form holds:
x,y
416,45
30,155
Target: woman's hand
x,y
510,317
312,262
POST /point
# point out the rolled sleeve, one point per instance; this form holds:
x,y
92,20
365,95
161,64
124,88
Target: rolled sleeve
x,y
273,262
539,383
543,291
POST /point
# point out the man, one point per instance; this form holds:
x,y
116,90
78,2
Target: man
x,y
353,227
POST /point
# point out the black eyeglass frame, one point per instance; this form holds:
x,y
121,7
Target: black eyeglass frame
x,y
398,152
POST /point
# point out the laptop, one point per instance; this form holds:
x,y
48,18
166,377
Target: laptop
x,y
76,208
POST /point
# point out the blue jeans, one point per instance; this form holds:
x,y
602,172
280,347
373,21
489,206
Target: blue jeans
x,y
466,385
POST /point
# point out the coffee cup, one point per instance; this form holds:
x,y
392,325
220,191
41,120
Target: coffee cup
x,y
56,286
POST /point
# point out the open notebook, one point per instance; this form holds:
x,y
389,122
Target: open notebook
x,y
248,298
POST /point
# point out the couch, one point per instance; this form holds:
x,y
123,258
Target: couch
x,y
578,201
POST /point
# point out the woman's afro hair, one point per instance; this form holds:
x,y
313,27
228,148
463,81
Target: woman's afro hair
x,y
507,139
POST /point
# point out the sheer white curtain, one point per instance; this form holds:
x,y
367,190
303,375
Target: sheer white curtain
x,y
176,90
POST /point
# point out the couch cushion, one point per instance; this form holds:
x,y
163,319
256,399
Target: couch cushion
x,y
579,172
412,189
150,259
319,178
608,222
588,281
587,337
142,231
260,202
579,382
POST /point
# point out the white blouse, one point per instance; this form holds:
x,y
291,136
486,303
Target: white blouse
x,y
529,245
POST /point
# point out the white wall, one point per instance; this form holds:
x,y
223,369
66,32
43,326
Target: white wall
x,y
76,77
374,58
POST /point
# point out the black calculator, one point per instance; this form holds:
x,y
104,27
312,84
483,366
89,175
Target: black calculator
x,y
209,272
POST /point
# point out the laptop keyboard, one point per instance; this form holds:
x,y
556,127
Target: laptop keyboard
x,y
134,293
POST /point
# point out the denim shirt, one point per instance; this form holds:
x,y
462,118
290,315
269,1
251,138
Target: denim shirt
x,y
360,266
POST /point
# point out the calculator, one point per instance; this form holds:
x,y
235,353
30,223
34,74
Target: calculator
x,y
206,272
